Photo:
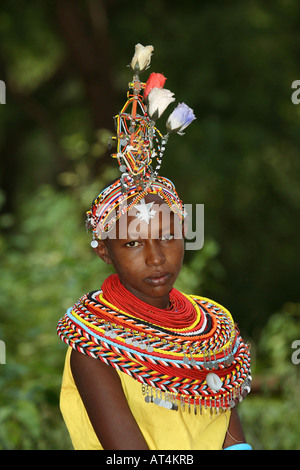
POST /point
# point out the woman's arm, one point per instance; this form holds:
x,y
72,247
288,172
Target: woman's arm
x,y
103,397
235,434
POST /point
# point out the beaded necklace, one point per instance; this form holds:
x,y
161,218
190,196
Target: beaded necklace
x,y
180,315
200,360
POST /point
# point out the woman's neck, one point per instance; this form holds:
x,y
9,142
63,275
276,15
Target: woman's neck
x,y
174,310
157,302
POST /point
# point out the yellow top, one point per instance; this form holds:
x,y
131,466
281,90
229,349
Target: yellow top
x,y
162,429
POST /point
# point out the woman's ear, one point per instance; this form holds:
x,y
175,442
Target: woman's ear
x,y
102,251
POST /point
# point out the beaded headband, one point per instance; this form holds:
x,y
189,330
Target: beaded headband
x,y
139,145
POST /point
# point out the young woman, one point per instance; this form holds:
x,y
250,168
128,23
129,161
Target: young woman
x,y
149,367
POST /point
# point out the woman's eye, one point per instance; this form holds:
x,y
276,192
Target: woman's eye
x,y
132,244
168,237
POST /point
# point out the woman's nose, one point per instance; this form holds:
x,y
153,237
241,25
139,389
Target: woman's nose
x,y
154,254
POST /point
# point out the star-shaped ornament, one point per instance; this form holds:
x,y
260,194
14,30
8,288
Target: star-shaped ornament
x,y
145,213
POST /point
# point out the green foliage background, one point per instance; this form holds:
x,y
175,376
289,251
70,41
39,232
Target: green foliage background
x,y
233,63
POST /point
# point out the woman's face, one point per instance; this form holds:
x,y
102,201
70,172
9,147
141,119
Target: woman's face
x,y
149,256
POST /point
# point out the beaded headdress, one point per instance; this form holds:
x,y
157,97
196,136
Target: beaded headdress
x,y
140,146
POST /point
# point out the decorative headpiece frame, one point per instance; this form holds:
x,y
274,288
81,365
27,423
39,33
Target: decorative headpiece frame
x,y
139,141
140,145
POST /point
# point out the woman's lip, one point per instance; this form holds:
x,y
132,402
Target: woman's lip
x,y
158,278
